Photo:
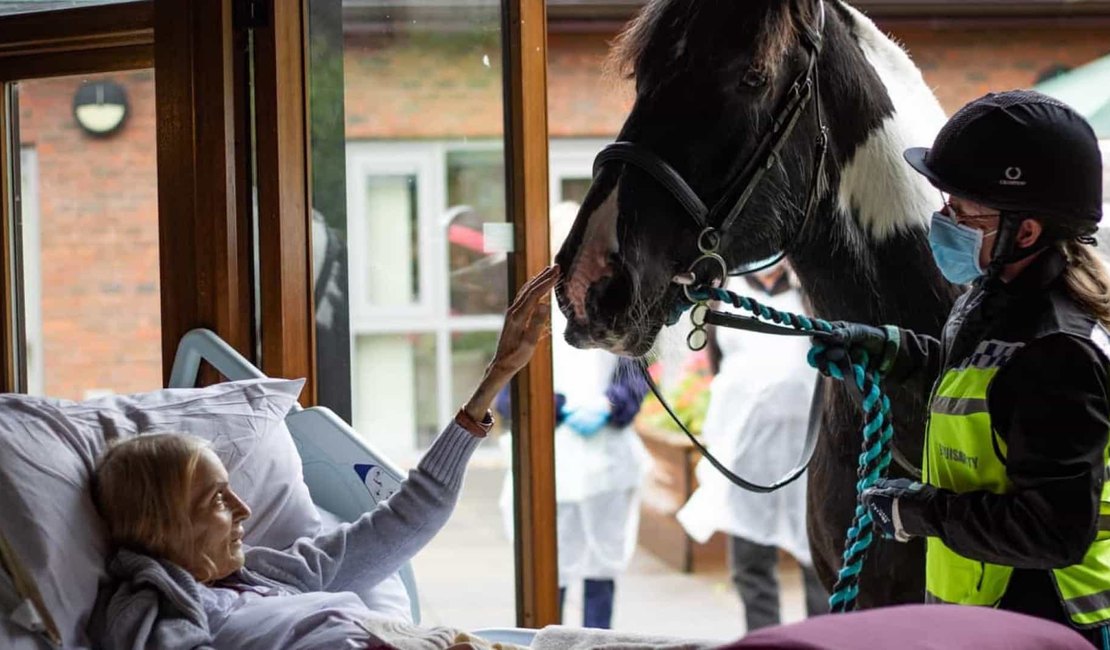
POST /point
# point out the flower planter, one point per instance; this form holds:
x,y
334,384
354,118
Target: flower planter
x,y
666,490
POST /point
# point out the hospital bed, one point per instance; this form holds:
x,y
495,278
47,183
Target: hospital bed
x,y
345,475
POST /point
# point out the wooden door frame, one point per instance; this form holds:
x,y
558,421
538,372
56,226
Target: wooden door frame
x,y
101,38
524,50
282,162
204,202
12,371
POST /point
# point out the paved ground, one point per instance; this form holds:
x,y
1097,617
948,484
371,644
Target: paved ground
x,y
466,579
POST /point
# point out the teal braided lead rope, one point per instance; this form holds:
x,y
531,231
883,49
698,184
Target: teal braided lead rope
x,y
876,435
797,321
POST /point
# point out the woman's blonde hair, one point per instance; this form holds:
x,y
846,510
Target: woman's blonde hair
x,y
1087,280
142,487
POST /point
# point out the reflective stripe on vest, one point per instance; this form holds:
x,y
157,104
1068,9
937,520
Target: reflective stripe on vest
x,y
961,454
959,405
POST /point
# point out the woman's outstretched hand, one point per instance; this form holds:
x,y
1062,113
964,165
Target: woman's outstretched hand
x,y
525,322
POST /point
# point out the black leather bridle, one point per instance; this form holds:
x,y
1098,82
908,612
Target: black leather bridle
x,y
718,220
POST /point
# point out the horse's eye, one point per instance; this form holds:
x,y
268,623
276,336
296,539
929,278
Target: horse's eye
x,y
755,78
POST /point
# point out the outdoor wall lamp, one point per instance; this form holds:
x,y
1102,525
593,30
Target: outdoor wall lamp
x,y
100,107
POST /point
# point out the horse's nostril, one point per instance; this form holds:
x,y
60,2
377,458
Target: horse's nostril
x,y
579,335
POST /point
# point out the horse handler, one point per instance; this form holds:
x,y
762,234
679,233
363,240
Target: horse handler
x,y
1013,503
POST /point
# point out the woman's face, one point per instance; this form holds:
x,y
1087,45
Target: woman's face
x,y
976,215
217,518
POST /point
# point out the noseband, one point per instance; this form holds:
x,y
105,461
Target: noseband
x,y
716,221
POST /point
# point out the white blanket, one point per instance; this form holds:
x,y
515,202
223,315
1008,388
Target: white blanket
x,y
558,637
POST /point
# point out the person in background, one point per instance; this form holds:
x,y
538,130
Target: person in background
x,y
756,424
600,462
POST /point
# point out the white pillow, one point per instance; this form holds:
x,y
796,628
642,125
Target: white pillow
x,y
48,450
245,422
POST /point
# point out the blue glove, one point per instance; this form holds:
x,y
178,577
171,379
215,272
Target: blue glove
x,y
560,408
886,498
587,421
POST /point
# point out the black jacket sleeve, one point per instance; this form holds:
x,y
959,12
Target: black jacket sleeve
x,y
1049,404
918,359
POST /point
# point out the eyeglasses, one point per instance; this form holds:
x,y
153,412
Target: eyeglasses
x,y
978,220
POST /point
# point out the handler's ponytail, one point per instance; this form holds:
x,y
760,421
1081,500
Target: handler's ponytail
x,y
1087,280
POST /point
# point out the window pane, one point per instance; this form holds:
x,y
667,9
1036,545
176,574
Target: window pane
x,y
407,95
89,215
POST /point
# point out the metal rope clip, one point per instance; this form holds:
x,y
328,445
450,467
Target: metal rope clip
x,y
698,337
708,242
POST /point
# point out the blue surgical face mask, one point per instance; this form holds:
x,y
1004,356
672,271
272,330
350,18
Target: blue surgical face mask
x,y
956,249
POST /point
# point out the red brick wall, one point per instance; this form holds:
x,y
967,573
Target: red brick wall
x,y
414,86
583,100
98,215
399,87
961,65
411,87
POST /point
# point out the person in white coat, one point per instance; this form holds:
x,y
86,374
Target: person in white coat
x,y
756,424
600,462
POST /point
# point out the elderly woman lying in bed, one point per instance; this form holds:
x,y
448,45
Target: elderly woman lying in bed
x,y
182,579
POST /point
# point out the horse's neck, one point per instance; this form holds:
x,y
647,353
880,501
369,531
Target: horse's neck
x,y
867,258
892,281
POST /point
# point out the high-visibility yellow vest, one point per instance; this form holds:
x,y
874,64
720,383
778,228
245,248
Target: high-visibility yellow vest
x,y
962,454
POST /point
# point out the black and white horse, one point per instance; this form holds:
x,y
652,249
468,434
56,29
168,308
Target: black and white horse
x,y
710,74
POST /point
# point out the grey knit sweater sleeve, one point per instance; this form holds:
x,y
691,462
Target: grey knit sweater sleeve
x,y
361,554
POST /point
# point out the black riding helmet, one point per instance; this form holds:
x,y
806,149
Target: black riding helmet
x,y
1019,152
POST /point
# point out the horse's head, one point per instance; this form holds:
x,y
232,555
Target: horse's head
x,y
711,78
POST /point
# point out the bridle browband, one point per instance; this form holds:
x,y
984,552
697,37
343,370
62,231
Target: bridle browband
x,y
718,220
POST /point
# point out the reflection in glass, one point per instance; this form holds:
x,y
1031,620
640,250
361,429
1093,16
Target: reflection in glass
x,y
476,183
89,217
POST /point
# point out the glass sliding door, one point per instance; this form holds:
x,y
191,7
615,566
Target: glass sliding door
x,y
409,95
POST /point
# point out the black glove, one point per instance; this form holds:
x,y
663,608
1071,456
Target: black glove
x,y
887,499
847,340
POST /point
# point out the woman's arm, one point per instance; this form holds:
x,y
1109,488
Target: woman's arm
x,y
1050,403
376,545
363,553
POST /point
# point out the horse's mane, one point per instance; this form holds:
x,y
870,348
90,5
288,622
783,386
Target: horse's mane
x,y
684,22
